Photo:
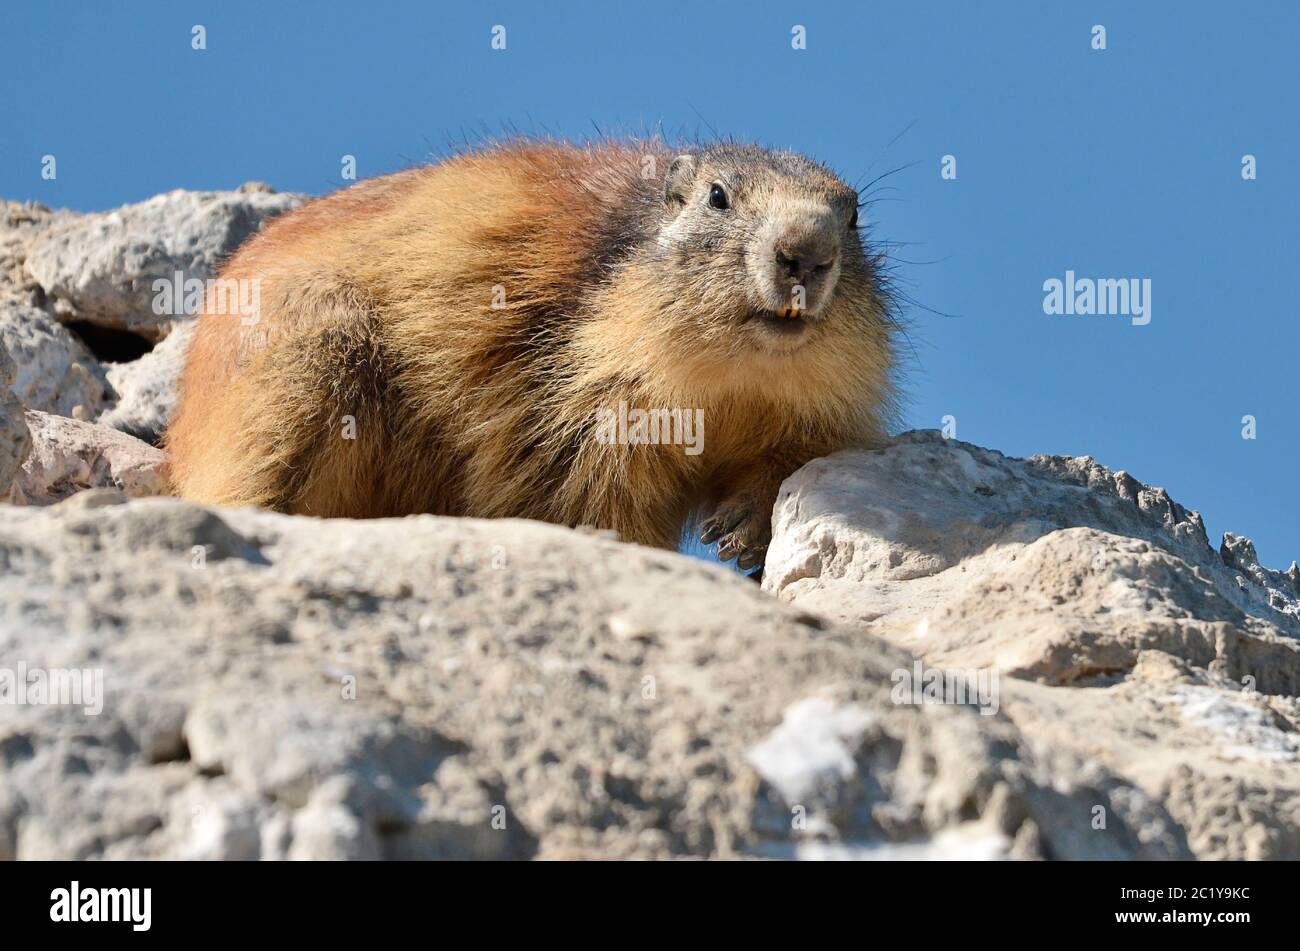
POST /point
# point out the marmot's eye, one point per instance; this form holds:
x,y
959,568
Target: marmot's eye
x,y
718,197
853,220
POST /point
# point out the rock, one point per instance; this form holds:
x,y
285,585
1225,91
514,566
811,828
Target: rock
x,y
1117,632
452,688
56,373
15,439
69,456
147,388
988,560
101,267
1280,588
21,224
1222,763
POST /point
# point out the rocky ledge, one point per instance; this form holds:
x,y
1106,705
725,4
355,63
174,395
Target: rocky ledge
x,y
953,653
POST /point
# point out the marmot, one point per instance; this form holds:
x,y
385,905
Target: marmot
x,y
445,339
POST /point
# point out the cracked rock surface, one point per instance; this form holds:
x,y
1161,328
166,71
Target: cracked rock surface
x,y
1119,634
283,687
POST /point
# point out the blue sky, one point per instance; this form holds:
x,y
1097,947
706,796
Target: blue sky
x,y
1117,163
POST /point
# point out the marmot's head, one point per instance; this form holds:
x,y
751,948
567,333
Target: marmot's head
x,y
766,251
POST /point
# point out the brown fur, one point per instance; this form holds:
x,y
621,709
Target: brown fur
x,y
376,304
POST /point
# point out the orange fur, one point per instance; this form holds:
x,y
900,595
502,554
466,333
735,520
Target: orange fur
x,y
376,304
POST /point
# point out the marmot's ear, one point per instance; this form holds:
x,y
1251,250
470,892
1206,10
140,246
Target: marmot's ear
x,y
678,181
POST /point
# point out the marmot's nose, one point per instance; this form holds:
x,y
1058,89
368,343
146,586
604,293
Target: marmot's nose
x,y
802,258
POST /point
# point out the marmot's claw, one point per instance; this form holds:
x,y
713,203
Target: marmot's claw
x,y
729,548
739,533
721,524
741,524
747,553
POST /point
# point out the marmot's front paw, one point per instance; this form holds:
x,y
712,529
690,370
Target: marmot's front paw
x,y
744,527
